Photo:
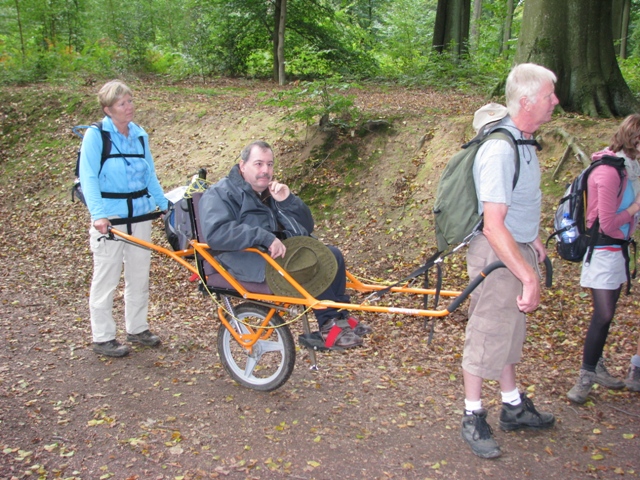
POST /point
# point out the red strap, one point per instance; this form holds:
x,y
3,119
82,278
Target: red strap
x,y
332,336
352,322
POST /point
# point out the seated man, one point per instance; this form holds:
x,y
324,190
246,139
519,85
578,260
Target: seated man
x,y
248,209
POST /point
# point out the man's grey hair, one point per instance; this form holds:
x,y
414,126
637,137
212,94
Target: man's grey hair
x,y
526,80
246,151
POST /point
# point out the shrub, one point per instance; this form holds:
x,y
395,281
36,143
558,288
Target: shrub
x,y
325,101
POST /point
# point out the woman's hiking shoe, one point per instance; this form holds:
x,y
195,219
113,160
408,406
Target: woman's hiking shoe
x,y
633,379
112,348
581,389
604,378
337,334
145,338
478,434
359,328
524,415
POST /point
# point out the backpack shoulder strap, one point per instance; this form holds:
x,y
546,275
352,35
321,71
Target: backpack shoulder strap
x,y
505,134
616,162
106,146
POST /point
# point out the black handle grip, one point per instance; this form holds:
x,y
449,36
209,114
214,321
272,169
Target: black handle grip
x,y
548,277
473,284
486,271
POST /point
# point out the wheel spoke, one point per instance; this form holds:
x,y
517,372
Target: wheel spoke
x,y
270,346
251,364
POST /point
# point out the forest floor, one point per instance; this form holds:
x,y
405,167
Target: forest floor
x,y
390,409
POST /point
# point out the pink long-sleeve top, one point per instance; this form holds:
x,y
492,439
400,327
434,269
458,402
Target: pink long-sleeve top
x,y
605,195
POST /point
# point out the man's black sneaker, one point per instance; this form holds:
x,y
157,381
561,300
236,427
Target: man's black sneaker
x,y
478,434
112,348
145,338
525,415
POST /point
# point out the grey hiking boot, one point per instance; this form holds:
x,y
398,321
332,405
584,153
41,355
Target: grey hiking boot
x,y
604,378
145,338
581,389
112,348
478,434
633,379
525,415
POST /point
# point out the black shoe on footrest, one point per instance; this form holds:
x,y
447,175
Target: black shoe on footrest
x,y
312,341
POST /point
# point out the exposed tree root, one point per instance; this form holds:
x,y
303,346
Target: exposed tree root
x,y
572,147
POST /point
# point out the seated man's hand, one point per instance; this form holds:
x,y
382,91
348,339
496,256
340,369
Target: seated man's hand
x,y
279,191
277,249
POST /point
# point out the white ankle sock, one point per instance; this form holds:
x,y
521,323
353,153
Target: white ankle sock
x,y
470,407
512,398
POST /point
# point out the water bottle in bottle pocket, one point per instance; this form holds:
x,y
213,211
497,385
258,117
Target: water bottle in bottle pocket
x,y
569,235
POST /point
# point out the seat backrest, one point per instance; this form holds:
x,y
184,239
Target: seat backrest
x,y
195,202
195,219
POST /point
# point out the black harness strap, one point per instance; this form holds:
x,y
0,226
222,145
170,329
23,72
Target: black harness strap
x,y
531,141
131,220
129,197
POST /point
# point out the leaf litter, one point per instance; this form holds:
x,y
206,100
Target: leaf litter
x,y
388,410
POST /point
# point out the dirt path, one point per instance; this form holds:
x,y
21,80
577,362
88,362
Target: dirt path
x,y
388,410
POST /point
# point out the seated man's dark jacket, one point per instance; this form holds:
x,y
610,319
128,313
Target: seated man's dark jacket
x,y
233,217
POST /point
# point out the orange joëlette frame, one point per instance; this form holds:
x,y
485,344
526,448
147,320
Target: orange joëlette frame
x,y
307,299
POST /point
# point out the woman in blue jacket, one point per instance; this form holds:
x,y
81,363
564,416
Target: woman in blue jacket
x,y
123,185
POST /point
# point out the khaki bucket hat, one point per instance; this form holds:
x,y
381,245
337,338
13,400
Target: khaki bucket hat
x,y
310,262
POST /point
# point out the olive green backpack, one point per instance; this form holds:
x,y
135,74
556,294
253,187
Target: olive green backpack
x,y
456,204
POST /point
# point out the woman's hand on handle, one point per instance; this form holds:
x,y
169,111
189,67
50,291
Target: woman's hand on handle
x,y
102,225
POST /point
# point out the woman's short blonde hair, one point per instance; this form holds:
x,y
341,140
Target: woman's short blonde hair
x,y
111,92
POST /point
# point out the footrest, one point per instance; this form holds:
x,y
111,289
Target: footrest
x,y
312,341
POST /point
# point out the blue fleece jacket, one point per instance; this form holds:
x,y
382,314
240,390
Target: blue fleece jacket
x,y
118,175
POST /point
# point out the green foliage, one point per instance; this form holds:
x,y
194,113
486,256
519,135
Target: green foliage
x,y
303,62
327,102
491,31
444,72
61,40
164,63
630,68
260,64
59,62
308,62
404,36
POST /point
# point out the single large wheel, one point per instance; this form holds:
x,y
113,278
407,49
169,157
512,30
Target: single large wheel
x,y
270,362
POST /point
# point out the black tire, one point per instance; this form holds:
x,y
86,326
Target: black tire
x,y
270,364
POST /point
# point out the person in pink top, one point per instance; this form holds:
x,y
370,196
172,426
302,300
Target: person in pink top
x,y
615,201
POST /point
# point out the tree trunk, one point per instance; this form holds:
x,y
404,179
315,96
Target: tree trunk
x,y
475,27
281,25
620,25
24,54
451,30
573,38
508,21
624,30
274,35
